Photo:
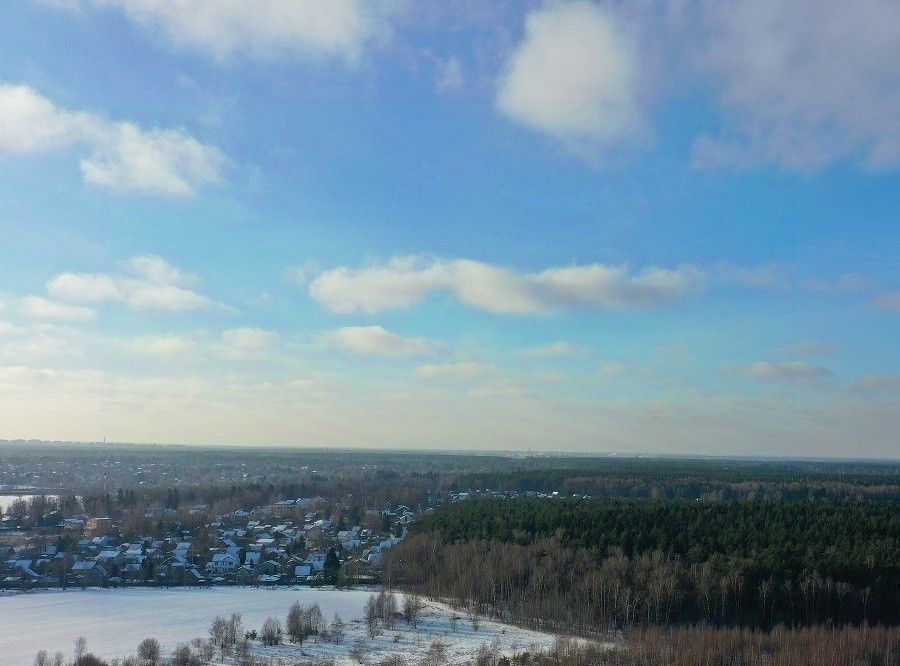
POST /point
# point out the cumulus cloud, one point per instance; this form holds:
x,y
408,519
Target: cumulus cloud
x,y
794,371
404,281
574,76
122,156
149,283
39,307
262,28
463,371
376,341
802,83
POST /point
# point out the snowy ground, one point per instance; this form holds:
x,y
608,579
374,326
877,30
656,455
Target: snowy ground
x,y
114,621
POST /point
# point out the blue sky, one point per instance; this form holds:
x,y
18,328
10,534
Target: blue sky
x,y
575,226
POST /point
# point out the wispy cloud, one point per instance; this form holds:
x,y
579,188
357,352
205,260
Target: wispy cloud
x,y
793,372
879,382
462,371
560,348
888,301
263,28
786,99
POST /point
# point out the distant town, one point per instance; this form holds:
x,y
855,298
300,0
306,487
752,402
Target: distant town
x,y
287,542
116,517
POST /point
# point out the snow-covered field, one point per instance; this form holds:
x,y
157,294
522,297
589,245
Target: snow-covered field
x,y
114,621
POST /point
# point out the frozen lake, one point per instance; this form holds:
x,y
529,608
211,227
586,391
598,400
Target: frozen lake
x,y
114,621
7,500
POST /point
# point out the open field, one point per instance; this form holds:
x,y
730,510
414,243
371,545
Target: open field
x,y
114,621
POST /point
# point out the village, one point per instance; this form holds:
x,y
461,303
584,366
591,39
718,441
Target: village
x,y
290,542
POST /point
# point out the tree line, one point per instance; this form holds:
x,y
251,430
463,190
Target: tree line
x,y
601,565
678,479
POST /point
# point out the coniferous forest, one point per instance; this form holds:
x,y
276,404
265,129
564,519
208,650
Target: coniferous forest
x,y
597,565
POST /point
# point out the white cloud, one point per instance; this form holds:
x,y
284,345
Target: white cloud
x,y
463,371
560,348
158,270
376,341
8,330
161,346
795,371
404,281
38,346
245,343
574,76
122,155
165,298
450,77
234,344
13,375
154,284
802,83
57,403
879,382
339,28
85,287
39,307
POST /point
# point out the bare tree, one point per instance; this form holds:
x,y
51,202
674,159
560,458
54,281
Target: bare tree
x,y
184,657
271,632
372,615
337,629
218,633
204,649
436,655
388,609
296,626
412,607
314,621
42,658
359,650
235,628
80,648
149,651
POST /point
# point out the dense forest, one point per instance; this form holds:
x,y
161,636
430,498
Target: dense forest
x,y
602,564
